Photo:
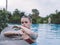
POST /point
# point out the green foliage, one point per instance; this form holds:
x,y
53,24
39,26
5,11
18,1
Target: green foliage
x,y
55,17
16,17
35,12
3,19
35,16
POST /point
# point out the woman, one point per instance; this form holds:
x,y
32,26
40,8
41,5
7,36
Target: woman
x,y
26,33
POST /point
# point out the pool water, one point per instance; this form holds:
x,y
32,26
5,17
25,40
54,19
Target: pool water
x,y
48,34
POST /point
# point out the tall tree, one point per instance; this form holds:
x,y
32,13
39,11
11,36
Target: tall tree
x,y
35,11
35,16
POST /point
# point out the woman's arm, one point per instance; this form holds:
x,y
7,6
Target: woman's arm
x,y
32,34
13,33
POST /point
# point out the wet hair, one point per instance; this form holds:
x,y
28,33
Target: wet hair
x,y
27,17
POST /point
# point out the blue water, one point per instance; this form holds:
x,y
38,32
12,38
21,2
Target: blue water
x,y
48,34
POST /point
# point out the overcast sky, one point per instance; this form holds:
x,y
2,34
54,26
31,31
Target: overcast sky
x,y
45,7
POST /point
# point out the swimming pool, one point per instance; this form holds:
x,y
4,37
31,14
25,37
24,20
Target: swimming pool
x,y
49,34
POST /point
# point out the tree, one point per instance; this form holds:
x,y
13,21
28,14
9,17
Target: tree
x,y
16,17
35,11
3,19
35,16
55,17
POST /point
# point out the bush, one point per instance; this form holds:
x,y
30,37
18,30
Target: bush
x,y
3,19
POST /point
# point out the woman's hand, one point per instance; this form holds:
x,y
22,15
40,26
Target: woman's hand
x,y
15,26
21,26
13,33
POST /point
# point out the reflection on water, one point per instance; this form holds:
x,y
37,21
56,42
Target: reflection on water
x,y
49,34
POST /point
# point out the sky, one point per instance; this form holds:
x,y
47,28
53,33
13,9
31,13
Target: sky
x,y
45,7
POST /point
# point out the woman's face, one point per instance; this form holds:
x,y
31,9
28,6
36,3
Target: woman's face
x,y
25,22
